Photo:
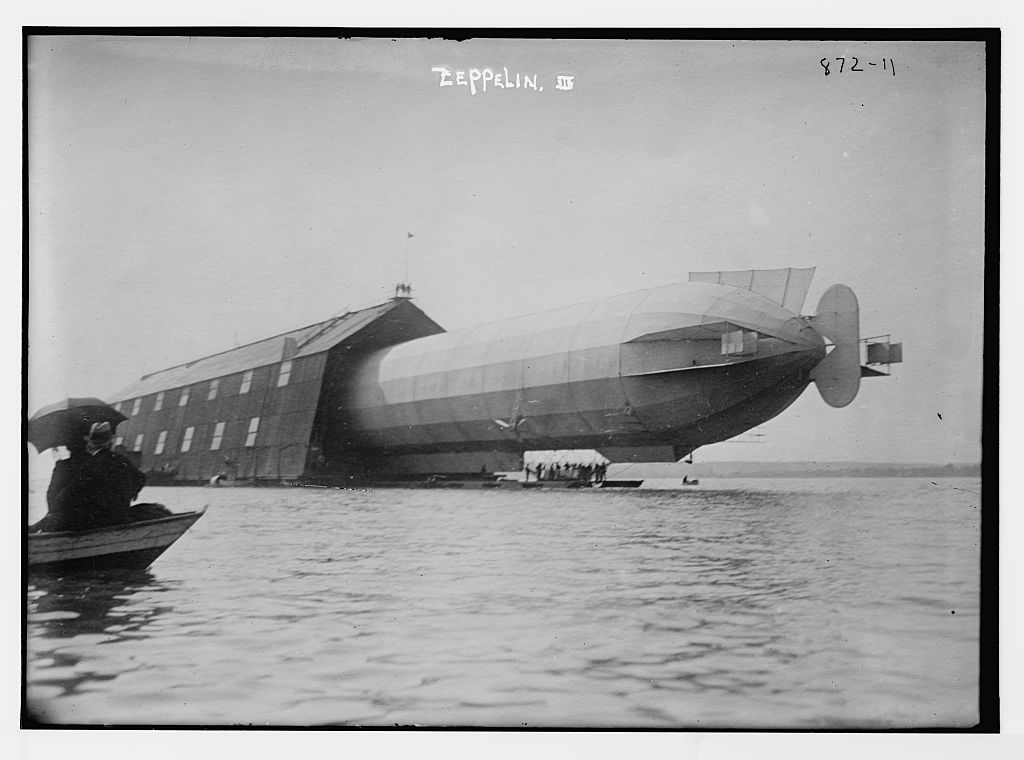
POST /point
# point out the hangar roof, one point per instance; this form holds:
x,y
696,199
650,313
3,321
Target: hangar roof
x,y
304,341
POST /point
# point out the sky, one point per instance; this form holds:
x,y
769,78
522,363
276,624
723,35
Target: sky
x,y
190,194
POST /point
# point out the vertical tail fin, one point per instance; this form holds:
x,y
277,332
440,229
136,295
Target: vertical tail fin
x,y
838,320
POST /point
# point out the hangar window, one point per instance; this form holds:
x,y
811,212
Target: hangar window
x,y
159,403
138,443
117,406
218,434
136,405
254,426
160,442
184,397
214,385
286,372
246,383
118,441
186,442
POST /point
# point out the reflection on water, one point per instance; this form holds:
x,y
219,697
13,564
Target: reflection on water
x,y
68,606
816,603
91,610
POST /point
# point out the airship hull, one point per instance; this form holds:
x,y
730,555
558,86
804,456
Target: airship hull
x,y
652,370
688,408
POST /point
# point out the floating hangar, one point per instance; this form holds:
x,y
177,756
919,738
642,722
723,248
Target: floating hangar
x,y
385,393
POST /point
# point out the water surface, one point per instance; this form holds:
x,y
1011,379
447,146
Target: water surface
x,y
744,603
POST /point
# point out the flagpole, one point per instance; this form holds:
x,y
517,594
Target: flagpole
x,y
408,237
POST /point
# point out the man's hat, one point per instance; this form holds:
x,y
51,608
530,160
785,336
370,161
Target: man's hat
x,y
100,432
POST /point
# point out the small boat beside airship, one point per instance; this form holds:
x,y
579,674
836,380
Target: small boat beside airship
x,y
386,394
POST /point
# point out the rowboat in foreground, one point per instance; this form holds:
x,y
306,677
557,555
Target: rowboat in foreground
x,y
132,546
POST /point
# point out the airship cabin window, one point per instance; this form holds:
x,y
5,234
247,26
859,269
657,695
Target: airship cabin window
x,y
739,342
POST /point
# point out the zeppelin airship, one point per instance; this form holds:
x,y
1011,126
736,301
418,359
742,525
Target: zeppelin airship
x,y
645,376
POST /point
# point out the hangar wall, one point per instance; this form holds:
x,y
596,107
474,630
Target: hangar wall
x,y
253,412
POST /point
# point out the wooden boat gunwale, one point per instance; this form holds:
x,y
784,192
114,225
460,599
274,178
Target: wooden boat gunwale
x,y
128,545
135,523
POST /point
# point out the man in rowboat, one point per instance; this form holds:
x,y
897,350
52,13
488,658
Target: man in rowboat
x,y
92,488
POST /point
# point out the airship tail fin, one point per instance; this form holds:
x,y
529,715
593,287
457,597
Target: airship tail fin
x,y
786,287
838,320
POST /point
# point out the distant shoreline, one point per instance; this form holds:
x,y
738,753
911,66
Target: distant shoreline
x,y
734,470
798,470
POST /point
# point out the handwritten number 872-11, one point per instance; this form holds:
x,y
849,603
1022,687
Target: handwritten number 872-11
x,y
887,65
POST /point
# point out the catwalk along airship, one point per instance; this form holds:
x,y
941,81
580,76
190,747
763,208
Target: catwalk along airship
x,y
384,392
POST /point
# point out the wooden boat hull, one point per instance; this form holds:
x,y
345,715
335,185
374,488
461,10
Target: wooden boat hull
x,y
132,546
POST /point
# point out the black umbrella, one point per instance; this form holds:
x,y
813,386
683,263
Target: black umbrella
x,y
69,420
